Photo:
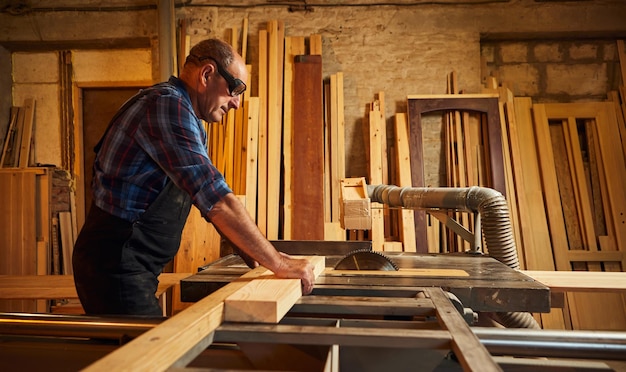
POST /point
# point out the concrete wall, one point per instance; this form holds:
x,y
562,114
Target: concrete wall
x,y
400,50
36,75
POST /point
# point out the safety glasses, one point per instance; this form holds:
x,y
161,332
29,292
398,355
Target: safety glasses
x,y
235,86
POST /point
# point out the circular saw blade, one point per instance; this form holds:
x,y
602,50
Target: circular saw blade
x,y
364,259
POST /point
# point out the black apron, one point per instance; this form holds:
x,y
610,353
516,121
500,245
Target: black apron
x,y
116,263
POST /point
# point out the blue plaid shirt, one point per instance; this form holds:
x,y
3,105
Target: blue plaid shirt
x,y
155,138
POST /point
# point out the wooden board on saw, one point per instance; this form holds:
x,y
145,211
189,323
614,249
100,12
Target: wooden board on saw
x,y
266,299
307,170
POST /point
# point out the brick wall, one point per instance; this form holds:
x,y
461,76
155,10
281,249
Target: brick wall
x,y
554,70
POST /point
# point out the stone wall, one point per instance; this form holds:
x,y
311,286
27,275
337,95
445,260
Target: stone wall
x,y
555,70
399,49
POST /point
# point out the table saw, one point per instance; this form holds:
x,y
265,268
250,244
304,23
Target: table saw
x,y
480,283
369,311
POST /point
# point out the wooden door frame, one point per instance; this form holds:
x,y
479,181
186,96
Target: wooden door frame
x,y
79,161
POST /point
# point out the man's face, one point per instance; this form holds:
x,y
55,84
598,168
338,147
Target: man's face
x,y
217,99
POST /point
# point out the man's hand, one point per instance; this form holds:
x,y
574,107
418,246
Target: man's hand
x,y
297,269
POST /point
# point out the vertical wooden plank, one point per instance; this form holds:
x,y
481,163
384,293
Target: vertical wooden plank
x,y
335,155
7,148
332,150
293,46
262,164
615,170
17,144
376,175
315,44
407,222
65,222
308,144
621,53
524,218
581,190
539,175
417,171
252,155
274,127
542,257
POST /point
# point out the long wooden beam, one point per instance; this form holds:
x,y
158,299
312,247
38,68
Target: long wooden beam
x,y
181,338
52,287
162,347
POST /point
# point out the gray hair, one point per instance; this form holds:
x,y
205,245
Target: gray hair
x,y
217,49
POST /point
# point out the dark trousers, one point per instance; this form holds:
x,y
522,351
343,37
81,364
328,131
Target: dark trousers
x,y
117,263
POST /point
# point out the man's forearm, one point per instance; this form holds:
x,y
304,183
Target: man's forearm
x,y
235,224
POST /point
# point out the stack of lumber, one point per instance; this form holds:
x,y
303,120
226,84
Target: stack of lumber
x,y
17,149
282,152
391,230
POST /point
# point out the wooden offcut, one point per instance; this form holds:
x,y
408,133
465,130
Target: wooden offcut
x,y
355,205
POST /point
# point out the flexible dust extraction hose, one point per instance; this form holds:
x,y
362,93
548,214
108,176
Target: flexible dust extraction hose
x,y
495,219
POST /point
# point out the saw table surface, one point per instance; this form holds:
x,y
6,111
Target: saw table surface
x,y
479,282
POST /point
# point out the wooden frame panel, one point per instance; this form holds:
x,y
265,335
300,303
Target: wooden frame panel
x,y
421,104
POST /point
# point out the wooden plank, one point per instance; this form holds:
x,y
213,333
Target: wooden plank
x,y
566,190
621,53
581,191
471,354
54,287
340,139
541,257
315,44
9,141
252,155
376,175
262,163
524,219
614,170
308,163
403,159
267,299
67,239
262,301
293,46
275,34
580,281
176,341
